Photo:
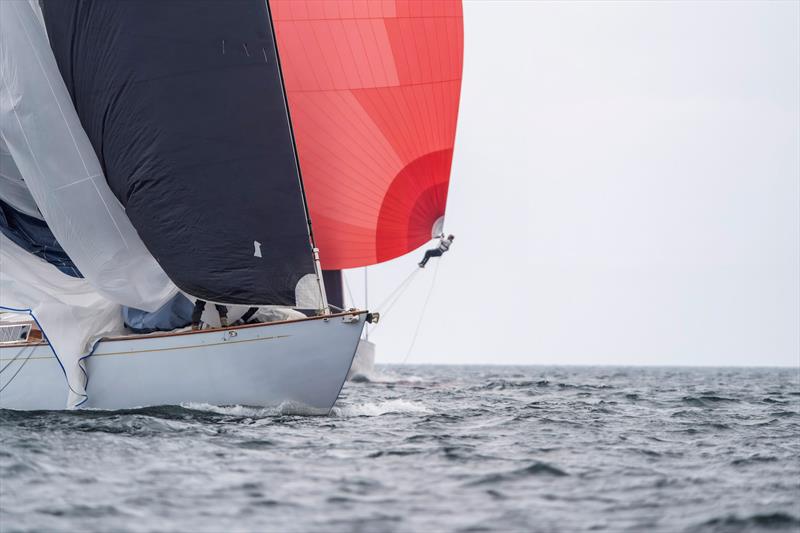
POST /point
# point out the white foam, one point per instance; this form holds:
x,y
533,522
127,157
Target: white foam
x,y
397,406
286,408
233,410
376,376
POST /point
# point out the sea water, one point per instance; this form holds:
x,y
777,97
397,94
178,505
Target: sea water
x,y
428,449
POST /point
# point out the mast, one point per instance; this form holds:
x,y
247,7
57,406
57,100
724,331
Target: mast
x,y
325,309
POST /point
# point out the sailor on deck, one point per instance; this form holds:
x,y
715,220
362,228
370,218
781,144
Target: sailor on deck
x,y
200,306
444,245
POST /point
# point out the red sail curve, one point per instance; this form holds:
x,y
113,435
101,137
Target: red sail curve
x,y
373,89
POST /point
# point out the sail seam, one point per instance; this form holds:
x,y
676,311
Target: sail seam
x,y
81,180
366,88
334,19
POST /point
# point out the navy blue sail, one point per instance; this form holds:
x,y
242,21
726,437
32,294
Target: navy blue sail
x,y
184,104
33,235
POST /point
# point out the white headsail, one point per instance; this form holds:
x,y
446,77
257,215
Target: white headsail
x,y
49,147
68,309
13,190
50,170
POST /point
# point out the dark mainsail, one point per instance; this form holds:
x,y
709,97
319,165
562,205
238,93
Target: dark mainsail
x,y
183,102
334,287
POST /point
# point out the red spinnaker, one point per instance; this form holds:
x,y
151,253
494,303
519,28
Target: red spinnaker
x,y
373,89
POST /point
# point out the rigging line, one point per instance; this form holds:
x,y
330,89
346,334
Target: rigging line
x,y
19,354
401,290
390,305
18,370
52,349
410,276
422,314
349,292
366,302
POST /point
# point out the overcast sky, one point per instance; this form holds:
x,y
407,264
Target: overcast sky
x,y
625,190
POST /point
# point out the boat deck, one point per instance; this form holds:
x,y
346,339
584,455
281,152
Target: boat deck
x,y
35,336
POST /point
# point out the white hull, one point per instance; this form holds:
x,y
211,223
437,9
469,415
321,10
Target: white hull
x,y
364,361
300,365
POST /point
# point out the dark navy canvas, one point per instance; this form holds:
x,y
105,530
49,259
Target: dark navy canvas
x,y
183,102
34,235
334,287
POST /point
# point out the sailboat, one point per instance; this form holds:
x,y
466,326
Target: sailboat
x,y
154,140
168,149
374,91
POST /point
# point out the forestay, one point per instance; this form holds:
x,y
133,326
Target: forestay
x,y
183,102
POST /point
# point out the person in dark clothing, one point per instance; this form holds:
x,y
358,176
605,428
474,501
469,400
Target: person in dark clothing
x,y
444,245
200,306
245,318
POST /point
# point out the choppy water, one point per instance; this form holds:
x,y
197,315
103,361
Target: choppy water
x,y
428,449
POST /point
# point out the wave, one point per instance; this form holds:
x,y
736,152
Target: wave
x,y
284,409
378,377
707,400
538,468
754,459
776,521
503,384
773,400
397,406
398,453
233,410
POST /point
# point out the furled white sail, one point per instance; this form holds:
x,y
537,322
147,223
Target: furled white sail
x,y
49,147
71,313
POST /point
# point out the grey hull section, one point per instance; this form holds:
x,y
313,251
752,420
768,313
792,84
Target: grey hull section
x,y
299,366
364,362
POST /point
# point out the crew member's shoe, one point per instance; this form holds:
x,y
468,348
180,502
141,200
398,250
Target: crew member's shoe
x,y
421,265
223,321
195,326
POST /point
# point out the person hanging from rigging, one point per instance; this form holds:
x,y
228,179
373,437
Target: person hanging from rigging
x,y
200,306
444,245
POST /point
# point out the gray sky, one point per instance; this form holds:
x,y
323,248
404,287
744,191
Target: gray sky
x,y
626,190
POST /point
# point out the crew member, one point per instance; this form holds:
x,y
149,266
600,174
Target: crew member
x,y
444,245
200,306
245,318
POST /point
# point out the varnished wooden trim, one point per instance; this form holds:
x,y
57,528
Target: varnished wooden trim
x,y
199,331
229,328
